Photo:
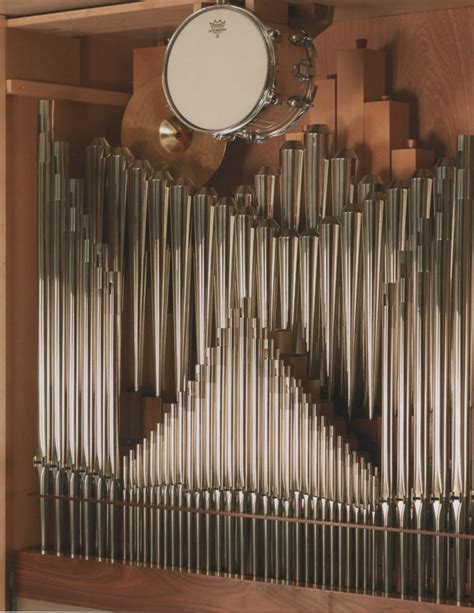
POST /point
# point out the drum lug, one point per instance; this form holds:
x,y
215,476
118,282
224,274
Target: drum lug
x,y
275,35
297,102
300,39
276,100
304,70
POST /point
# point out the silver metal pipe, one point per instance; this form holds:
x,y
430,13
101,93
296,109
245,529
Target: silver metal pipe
x,y
158,223
351,249
291,161
343,172
316,173
266,266
373,207
265,191
309,298
330,236
181,259
204,220
224,262
367,185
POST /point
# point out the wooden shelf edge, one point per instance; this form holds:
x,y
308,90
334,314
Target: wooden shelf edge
x,y
54,91
123,587
116,18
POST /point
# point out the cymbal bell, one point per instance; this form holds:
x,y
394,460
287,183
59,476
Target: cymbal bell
x,y
151,131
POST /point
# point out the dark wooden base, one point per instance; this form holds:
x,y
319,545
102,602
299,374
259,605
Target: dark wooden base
x,y
120,587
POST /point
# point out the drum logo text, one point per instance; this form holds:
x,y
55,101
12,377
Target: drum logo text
x,y
217,27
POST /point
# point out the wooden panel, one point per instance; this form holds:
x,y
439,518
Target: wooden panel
x,y
152,413
360,78
39,57
273,11
386,124
346,9
107,61
30,7
3,298
159,16
120,587
354,9
22,318
53,91
429,58
147,63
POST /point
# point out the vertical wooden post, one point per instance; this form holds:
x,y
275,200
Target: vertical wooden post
x,y
386,125
324,109
3,297
360,79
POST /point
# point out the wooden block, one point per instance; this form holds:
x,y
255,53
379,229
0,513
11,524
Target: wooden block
x,y
72,93
324,109
147,64
360,79
299,136
283,340
152,410
273,11
312,387
326,408
340,426
386,126
298,364
353,442
131,423
406,161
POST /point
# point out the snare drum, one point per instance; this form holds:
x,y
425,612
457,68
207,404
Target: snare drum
x,y
227,74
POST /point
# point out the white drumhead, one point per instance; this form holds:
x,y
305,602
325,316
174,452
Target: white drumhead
x,y
217,69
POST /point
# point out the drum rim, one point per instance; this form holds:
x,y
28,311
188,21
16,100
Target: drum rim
x,y
267,91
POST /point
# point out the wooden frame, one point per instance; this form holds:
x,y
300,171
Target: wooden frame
x,y
49,577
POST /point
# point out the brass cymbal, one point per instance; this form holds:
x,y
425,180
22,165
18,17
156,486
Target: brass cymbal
x,y
151,131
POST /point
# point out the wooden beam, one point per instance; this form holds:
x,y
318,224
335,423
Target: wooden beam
x,y
123,587
386,127
153,15
3,298
55,91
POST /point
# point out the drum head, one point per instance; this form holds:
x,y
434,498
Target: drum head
x,y
217,69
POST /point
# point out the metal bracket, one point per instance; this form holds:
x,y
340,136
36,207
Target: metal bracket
x,y
312,19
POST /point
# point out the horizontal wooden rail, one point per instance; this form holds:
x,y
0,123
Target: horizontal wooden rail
x,y
73,93
126,587
152,15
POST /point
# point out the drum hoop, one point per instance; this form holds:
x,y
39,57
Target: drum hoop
x,y
267,91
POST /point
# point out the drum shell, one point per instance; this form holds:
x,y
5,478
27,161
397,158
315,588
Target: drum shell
x,y
277,119
286,96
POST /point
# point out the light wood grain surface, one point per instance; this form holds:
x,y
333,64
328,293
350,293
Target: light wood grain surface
x,y
160,16
430,59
